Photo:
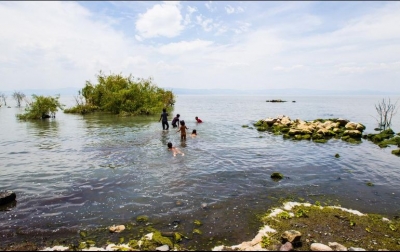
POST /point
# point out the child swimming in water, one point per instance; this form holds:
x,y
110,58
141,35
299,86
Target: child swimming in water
x,y
194,133
174,150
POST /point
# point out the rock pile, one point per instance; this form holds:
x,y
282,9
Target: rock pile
x,y
319,130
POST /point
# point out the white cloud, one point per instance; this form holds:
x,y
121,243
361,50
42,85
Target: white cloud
x,y
210,6
57,44
184,47
288,69
230,10
61,44
161,20
191,9
206,24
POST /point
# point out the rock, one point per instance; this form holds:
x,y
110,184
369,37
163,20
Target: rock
x,y
142,218
117,229
352,133
286,247
342,122
351,126
7,197
270,121
276,175
163,248
319,247
360,127
292,236
356,249
337,246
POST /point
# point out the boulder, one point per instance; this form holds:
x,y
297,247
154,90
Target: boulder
x,y
351,126
342,122
270,121
352,133
7,197
360,127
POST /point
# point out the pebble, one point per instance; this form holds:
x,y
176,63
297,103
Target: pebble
x,y
337,246
286,247
320,247
356,249
163,248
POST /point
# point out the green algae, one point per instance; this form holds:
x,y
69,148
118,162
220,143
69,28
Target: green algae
x,y
142,218
277,175
197,223
197,231
327,224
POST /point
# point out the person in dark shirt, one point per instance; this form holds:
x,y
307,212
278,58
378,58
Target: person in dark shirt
x,y
198,120
164,117
175,121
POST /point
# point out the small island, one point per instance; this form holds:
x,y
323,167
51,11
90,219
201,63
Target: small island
x,y
278,100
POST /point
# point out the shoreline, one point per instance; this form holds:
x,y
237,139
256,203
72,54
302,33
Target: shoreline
x,y
269,234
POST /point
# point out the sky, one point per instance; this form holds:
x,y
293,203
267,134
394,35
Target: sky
x,y
243,45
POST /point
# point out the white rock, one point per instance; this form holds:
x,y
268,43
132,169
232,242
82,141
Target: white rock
x,y
337,246
163,248
320,247
356,249
149,236
117,229
94,249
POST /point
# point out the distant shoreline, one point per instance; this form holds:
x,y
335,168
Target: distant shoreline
x,y
187,91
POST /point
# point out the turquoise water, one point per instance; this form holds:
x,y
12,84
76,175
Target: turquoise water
x,y
78,172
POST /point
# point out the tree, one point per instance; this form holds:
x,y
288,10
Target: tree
x,y
386,110
3,97
18,96
41,107
119,94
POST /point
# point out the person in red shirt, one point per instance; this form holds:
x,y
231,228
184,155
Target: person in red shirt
x,y
198,120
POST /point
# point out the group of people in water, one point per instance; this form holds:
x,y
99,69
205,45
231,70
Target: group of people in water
x,y
177,123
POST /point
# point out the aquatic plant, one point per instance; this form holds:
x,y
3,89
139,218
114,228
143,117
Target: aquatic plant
x,y
122,95
41,107
18,96
386,110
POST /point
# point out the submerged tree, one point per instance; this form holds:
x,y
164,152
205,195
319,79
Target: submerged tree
x,y
118,94
3,97
18,96
386,110
41,107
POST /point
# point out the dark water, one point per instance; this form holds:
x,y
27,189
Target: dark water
x,y
80,172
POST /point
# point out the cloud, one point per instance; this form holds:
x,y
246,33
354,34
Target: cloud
x,y
210,7
161,20
230,10
184,47
57,44
206,24
288,69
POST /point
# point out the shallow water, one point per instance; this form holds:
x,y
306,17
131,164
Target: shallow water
x,y
97,170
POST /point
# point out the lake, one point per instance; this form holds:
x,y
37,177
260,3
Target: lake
x,y
79,172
